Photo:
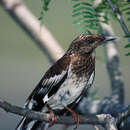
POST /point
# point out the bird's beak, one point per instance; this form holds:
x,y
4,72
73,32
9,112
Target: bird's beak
x,y
108,38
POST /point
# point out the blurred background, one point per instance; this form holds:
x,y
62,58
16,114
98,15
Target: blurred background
x,y
22,64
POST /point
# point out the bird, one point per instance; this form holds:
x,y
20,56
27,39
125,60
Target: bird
x,y
62,86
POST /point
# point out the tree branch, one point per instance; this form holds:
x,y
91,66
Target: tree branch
x,y
103,119
29,23
119,17
106,106
106,120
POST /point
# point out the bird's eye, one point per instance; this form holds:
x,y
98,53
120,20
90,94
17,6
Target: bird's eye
x,y
90,41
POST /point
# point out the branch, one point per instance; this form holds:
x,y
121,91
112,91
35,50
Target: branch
x,y
103,119
106,106
119,17
29,23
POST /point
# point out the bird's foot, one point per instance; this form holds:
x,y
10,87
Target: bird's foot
x,y
76,116
52,116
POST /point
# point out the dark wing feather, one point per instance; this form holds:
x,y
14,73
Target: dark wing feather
x,y
49,84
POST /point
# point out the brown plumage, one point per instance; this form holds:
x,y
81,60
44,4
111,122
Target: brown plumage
x,y
64,82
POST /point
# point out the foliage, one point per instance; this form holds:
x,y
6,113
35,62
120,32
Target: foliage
x,y
125,10
87,17
45,4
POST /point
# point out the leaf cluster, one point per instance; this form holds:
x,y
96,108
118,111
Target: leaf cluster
x,y
45,4
128,45
87,16
125,10
84,16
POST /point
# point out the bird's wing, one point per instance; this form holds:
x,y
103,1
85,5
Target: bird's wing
x,y
50,83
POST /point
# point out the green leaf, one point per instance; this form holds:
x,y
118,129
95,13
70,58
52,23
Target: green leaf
x,y
101,7
76,5
128,19
89,16
91,21
127,36
77,20
91,27
76,14
125,9
128,12
127,54
88,12
45,4
75,0
127,46
86,4
104,21
89,32
90,9
77,9
124,3
85,15
82,8
40,18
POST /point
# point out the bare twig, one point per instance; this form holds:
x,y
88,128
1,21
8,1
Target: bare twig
x,y
119,17
103,119
29,23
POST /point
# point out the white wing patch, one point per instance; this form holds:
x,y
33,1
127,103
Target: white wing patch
x,y
51,82
45,99
90,81
54,80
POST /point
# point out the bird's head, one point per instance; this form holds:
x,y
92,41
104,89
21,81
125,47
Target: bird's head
x,y
87,43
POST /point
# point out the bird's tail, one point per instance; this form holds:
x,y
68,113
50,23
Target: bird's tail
x,y
28,124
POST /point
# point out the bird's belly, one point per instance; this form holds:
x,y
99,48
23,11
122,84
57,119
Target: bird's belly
x,y
69,91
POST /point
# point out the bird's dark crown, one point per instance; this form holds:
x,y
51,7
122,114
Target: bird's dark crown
x,y
85,43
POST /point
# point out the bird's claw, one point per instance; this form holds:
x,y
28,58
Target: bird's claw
x,y
51,118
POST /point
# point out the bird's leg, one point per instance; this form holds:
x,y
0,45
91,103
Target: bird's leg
x,y
52,116
75,115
